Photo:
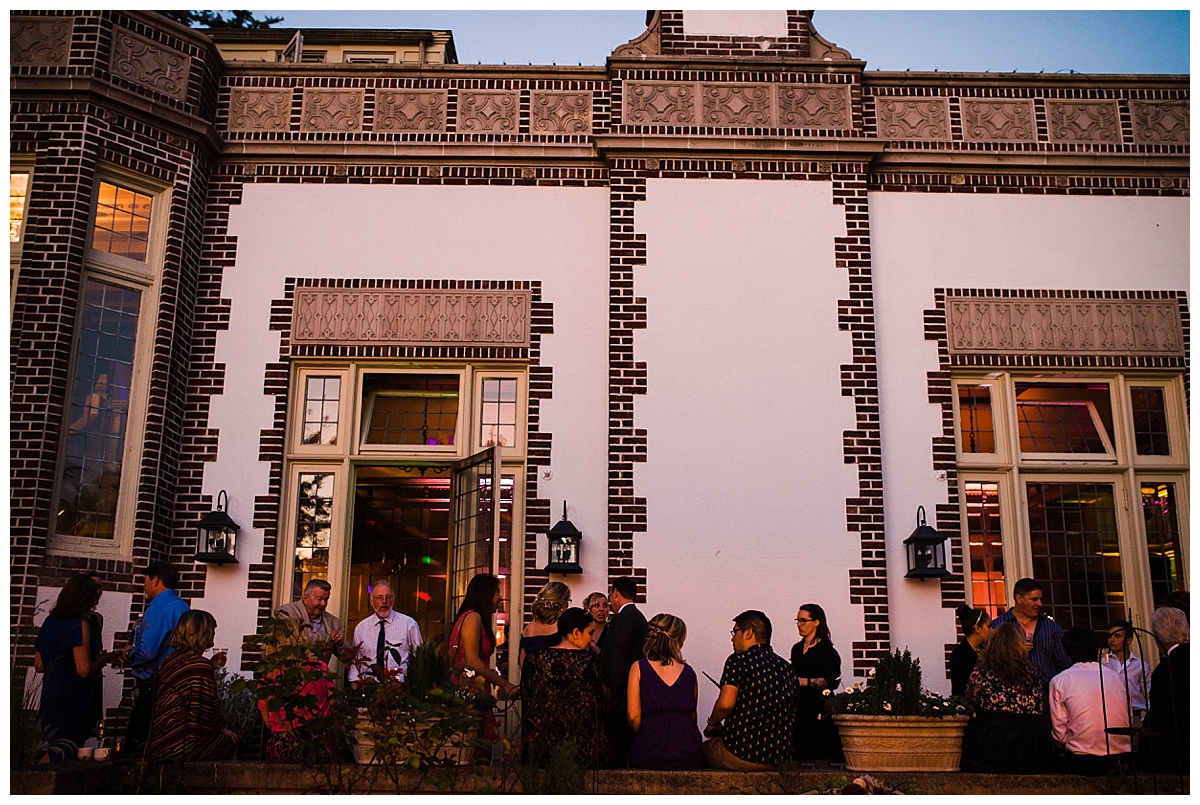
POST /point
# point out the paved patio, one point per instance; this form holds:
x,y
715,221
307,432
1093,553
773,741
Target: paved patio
x,y
267,778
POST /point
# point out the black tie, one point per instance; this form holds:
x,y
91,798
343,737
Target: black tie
x,y
381,645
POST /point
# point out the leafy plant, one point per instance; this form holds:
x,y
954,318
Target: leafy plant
x,y
239,708
894,689
562,773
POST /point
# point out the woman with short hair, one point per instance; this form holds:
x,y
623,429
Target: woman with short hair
x,y
598,607
185,723
662,701
1009,733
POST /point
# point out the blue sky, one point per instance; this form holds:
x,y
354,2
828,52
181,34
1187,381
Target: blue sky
x,y
972,41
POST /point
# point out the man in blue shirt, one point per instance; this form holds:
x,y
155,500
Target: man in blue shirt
x,y
1043,637
151,645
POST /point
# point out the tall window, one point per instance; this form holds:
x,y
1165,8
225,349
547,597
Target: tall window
x,y
19,177
101,445
1051,470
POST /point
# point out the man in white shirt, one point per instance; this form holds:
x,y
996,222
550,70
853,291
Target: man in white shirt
x,y
1133,670
384,638
1086,699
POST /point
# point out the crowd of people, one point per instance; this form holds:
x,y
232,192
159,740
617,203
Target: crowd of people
x,y
613,685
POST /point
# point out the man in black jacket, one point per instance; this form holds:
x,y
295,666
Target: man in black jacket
x,y
624,639
1167,745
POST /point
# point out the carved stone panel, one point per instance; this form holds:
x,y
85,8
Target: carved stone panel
x,y
996,120
39,41
737,105
488,111
332,110
651,103
813,106
1139,327
1161,122
1083,121
560,112
410,110
364,316
144,61
260,109
912,118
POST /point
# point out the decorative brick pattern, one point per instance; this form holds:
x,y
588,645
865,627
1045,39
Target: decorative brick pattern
x,y
814,106
410,110
912,119
488,111
560,112
1161,122
39,41
797,43
259,109
1083,122
994,120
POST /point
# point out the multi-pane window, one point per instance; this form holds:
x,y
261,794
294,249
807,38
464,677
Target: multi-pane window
x,y
99,410
1149,420
1050,468
314,522
18,194
122,222
410,409
498,417
322,396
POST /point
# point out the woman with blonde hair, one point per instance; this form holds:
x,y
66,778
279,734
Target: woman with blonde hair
x,y
662,700
596,605
1008,734
548,606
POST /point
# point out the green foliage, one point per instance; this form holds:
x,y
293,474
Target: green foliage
x,y
894,689
239,709
214,19
428,669
561,774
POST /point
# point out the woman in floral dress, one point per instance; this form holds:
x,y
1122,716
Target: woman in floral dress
x,y
1009,733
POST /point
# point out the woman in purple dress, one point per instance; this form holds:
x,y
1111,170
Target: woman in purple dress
x,y
662,701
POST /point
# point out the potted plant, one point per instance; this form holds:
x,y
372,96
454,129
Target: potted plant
x,y
891,723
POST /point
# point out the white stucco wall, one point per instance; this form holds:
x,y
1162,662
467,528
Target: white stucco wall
x,y
744,479
556,235
735,23
925,240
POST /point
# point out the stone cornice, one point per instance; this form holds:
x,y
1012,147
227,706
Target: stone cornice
x,y
454,71
849,148
1111,81
1030,162
734,64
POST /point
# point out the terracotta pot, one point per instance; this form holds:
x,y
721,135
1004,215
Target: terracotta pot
x,y
901,743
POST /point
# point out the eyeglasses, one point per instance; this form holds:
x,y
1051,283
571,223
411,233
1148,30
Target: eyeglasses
x,y
733,632
806,620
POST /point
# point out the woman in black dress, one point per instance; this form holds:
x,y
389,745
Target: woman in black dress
x,y
976,626
818,667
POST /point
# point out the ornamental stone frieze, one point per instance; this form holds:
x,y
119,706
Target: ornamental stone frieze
x,y
260,109
1161,122
996,120
912,118
488,111
560,112
39,41
364,316
808,106
1134,327
145,62
1083,121
332,110
410,110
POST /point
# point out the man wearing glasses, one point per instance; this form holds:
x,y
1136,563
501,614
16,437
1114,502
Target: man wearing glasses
x,y
384,638
757,702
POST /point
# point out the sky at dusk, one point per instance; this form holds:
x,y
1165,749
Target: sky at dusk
x,y
971,41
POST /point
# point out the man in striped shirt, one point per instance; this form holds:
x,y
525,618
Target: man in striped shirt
x,y
1043,637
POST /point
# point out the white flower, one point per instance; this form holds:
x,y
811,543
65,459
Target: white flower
x,y
871,673
899,686
887,706
826,692
849,690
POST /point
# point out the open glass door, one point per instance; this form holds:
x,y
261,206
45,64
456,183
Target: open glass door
x,y
475,527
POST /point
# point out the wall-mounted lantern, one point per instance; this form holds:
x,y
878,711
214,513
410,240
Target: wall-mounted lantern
x,y
216,535
926,550
564,541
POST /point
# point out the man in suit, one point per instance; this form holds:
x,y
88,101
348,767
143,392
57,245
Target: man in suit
x,y
624,639
312,623
1170,696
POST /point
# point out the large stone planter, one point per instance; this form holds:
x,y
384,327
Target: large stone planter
x,y
901,743
458,750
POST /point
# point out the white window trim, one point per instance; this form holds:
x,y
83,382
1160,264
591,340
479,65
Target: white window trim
x,y
345,415
19,164
339,527
1000,424
363,448
145,277
517,449
1174,402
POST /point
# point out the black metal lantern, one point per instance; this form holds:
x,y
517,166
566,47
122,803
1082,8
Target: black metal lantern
x,y
926,550
564,541
216,535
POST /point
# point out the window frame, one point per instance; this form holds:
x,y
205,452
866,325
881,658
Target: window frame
x,y
299,394
522,403
26,165
363,416
1175,408
147,279
339,527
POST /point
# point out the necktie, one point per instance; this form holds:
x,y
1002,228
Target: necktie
x,y
380,646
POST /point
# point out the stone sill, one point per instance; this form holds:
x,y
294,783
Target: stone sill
x,y
77,777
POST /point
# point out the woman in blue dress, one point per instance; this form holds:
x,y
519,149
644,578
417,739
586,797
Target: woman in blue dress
x,y
68,652
662,701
